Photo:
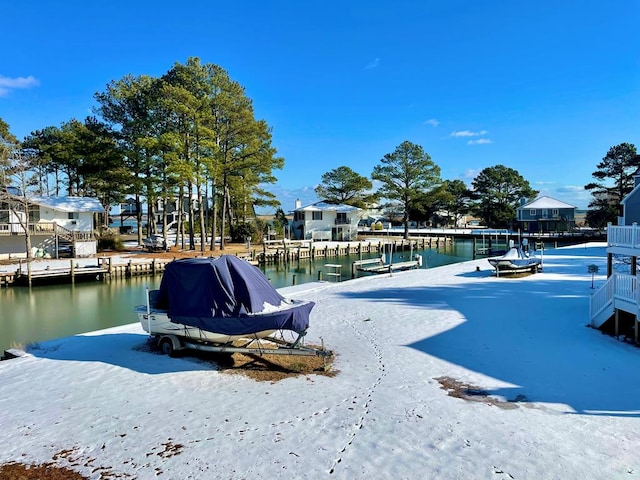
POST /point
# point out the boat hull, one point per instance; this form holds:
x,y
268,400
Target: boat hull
x,y
157,322
514,265
515,260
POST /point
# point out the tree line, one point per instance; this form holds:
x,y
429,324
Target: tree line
x,y
191,135
411,189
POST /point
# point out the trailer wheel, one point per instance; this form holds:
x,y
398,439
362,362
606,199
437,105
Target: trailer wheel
x,y
166,347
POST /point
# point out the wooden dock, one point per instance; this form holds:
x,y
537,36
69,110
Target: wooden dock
x,y
377,265
275,251
104,269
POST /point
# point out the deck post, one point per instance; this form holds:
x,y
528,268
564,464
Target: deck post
x,y
609,264
617,323
634,264
73,271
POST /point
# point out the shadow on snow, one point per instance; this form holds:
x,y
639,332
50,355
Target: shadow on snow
x,y
525,333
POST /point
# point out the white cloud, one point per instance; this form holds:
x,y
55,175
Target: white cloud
x,y
480,141
373,64
467,133
433,122
8,83
469,175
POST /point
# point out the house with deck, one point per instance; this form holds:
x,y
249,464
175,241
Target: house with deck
x,y
325,221
54,224
615,306
546,214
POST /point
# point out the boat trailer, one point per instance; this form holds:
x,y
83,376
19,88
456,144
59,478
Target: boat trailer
x,y
170,343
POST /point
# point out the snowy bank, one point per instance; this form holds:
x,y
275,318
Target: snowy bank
x,y
551,398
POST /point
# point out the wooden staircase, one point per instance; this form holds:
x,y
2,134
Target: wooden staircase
x,y
619,292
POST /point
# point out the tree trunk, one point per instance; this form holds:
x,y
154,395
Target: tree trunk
x,y
139,218
214,217
192,238
203,228
180,230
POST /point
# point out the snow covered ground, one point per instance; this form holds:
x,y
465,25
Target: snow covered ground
x,y
553,399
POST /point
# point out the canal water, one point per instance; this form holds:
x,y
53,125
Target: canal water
x,y
53,311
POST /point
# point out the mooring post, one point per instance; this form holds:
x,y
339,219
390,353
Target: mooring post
x,y
319,275
295,279
73,272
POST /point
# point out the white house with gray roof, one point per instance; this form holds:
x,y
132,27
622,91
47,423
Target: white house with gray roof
x,y
325,221
52,222
546,214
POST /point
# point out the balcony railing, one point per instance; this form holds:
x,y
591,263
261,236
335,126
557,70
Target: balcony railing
x,y
623,236
342,221
44,228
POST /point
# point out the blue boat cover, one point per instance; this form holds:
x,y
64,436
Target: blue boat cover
x,y
221,294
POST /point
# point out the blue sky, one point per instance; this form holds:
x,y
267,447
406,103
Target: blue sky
x,y
543,87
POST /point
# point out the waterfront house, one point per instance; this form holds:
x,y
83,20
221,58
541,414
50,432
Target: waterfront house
x,y
546,214
616,305
53,223
325,221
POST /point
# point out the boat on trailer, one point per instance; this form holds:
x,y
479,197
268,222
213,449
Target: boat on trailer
x,y
224,304
517,259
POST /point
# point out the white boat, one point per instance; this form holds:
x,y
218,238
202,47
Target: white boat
x,y
154,242
207,304
156,321
517,259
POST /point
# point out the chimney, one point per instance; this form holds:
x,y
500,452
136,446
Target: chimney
x,y
298,203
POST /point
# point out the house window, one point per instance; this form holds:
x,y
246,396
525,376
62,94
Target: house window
x,y
555,212
34,214
73,215
341,218
298,216
4,216
532,212
316,215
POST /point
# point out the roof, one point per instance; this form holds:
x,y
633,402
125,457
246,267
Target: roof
x,y
546,202
326,206
69,204
631,194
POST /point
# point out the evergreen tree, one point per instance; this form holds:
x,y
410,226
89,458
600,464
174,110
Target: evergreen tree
x,y
343,185
497,192
617,167
406,174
